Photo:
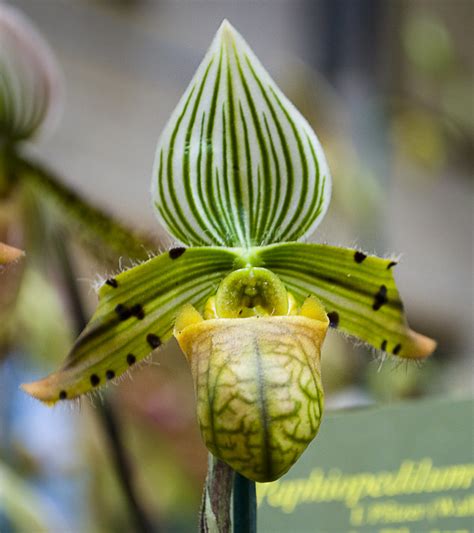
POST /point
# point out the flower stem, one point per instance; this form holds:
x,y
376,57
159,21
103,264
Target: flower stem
x,y
215,509
225,487
245,505
109,421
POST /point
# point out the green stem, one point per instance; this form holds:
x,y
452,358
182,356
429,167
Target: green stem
x,y
110,422
245,505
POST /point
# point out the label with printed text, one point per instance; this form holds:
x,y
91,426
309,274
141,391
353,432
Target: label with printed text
x,y
407,468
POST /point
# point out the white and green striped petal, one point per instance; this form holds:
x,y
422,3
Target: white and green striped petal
x,y
29,78
237,164
357,290
135,315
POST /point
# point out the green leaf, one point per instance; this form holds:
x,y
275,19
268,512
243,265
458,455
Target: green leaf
x,y
358,292
25,508
237,164
30,94
135,315
99,231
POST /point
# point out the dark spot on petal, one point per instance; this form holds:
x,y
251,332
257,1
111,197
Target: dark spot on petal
x,y
95,380
153,340
137,310
359,256
383,346
380,298
123,312
110,374
112,282
174,253
391,264
131,359
62,395
333,319
397,349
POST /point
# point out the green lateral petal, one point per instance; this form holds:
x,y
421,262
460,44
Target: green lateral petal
x,y
358,292
135,315
237,164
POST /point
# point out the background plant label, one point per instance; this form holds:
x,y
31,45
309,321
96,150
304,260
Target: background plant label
x,y
401,469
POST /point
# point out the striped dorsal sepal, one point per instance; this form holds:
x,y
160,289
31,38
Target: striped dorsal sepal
x,y
237,164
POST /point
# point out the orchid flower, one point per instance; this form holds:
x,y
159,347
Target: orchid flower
x,y
30,83
240,181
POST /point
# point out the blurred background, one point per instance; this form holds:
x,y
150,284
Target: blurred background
x,y
388,87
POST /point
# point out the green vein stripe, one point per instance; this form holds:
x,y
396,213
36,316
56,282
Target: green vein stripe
x,y
249,173
223,188
170,196
187,173
272,228
223,215
216,230
264,184
260,198
289,171
240,223
212,206
298,212
182,223
226,199
314,209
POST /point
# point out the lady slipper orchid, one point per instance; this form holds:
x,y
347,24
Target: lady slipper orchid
x,y
240,180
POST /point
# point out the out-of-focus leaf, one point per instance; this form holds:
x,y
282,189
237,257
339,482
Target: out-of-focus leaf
x,y
99,231
237,164
40,328
419,135
23,508
428,43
